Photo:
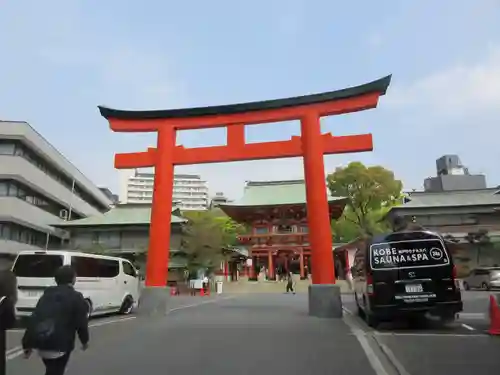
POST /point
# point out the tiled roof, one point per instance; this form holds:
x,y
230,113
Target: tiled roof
x,y
483,197
119,215
273,193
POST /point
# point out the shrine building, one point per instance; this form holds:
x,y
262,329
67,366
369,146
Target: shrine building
x,y
275,213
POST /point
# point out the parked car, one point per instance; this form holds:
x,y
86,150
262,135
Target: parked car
x,y
405,274
484,278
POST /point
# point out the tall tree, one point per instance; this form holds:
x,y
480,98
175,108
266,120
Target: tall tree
x,y
203,240
371,192
206,235
230,228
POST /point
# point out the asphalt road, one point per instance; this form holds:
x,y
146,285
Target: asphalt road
x,y
461,348
272,333
251,334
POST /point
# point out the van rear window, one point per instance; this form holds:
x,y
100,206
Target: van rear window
x,y
37,265
408,254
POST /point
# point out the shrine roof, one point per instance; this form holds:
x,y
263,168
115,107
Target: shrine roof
x,y
378,86
121,215
275,193
457,198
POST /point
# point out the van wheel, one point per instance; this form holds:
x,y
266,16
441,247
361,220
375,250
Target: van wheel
x,y
127,306
89,308
371,320
466,285
485,286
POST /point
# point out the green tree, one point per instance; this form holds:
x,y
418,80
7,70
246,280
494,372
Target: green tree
x,y
203,240
230,228
371,192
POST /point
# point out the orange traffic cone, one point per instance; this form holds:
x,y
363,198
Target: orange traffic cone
x,y
202,292
494,317
173,291
207,293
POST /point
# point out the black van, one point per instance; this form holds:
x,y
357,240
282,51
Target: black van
x,y
405,274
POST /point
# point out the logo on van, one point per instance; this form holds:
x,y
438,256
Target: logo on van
x,y
436,253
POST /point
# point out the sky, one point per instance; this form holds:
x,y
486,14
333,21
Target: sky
x,y
60,59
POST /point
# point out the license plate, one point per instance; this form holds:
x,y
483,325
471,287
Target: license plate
x,y
414,288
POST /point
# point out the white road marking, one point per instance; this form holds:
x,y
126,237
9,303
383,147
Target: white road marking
x,y
18,350
369,352
99,324
472,316
14,354
466,326
199,304
392,358
347,310
11,350
378,333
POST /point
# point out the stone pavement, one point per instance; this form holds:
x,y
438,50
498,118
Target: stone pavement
x,y
250,334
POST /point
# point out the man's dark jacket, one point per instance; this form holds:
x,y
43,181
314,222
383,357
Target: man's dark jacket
x,y
71,319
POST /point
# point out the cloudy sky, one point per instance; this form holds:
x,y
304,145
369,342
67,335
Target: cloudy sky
x,y
59,59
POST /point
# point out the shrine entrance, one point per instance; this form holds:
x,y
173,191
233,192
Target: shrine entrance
x,y
312,145
294,262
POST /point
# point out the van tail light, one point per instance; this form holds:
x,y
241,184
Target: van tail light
x,y
369,284
454,272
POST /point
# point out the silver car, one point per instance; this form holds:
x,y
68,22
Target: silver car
x,y
485,278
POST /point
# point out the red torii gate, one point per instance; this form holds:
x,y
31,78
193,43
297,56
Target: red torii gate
x,y
312,145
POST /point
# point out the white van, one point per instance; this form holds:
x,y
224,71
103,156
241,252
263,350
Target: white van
x,y
108,284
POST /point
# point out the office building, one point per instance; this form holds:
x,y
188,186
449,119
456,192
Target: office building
x,y
452,175
39,187
111,196
190,191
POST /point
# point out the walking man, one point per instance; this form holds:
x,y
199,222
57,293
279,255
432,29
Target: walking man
x,y
61,314
289,283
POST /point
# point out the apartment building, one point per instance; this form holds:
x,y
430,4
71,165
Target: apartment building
x,y
190,191
218,199
39,187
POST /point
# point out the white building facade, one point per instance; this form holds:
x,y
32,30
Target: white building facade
x,y
39,187
190,191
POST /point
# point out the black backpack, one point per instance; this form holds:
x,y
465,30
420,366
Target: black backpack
x,y
49,321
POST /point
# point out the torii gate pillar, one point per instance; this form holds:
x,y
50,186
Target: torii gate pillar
x,y
324,295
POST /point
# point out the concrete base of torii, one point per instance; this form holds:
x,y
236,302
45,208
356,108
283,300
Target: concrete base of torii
x,y
325,301
153,301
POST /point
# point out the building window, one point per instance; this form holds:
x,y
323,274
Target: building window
x,y
18,149
4,189
109,239
7,148
18,233
261,230
12,188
